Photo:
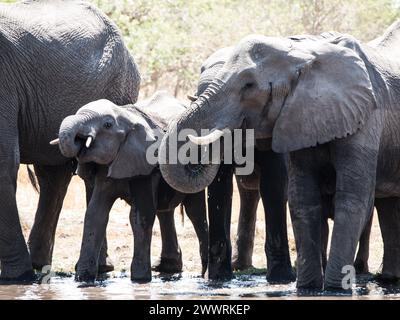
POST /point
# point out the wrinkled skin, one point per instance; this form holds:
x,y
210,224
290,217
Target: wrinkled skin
x,y
52,63
121,136
268,182
332,104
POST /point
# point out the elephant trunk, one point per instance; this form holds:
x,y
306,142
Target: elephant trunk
x,y
205,113
69,140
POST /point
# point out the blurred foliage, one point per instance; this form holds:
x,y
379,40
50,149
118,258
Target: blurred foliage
x,y
170,38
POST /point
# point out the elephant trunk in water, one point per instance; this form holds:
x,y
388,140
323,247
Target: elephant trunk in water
x,y
192,178
71,141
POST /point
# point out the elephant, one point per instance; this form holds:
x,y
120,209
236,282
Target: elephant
x,y
266,182
55,56
117,140
330,102
279,266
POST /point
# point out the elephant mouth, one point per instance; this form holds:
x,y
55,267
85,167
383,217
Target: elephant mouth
x,y
84,143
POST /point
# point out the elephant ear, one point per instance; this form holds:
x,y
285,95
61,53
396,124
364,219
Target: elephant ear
x,y
331,98
131,158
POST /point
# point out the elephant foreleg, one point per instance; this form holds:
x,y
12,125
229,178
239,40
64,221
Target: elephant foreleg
x,y
195,205
306,213
273,190
243,253
96,219
15,260
171,254
389,221
219,216
105,263
355,167
53,182
142,216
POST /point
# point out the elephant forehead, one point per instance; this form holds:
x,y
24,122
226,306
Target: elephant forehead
x,y
101,106
259,46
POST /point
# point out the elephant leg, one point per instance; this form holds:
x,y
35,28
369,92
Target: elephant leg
x,y
306,213
243,251
273,190
361,262
105,262
219,217
53,182
143,213
389,222
95,225
354,199
16,264
171,254
195,205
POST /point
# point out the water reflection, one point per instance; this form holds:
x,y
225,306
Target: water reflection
x,y
186,286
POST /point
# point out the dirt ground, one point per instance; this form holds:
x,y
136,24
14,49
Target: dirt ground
x,y
119,233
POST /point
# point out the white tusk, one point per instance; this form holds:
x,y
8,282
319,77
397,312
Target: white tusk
x,y
89,141
55,142
208,139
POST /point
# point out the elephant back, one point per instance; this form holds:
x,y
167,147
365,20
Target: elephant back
x,y
162,107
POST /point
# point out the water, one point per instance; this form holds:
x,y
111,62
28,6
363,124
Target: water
x,y
185,286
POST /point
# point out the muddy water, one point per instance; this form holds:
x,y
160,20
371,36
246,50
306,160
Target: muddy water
x,y
184,286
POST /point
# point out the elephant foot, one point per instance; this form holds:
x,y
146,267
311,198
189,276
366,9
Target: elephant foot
x,y
387,278
168,265
307,285
140,274
219,263
85,276
28,277
219,271
335,291
281,274
238,265
361,267
106,266
223,275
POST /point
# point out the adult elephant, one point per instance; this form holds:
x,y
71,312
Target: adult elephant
x,y
268,182
55,56
121,140
331,102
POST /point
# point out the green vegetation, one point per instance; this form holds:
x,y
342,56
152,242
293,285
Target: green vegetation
x,y
170,38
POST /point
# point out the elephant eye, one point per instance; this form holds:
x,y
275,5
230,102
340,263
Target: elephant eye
x,y
107,125
248,85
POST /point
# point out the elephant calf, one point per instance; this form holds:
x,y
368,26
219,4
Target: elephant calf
x,y
116,139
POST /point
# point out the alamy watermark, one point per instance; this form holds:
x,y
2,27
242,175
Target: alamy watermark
x,y
350,277
47,274
231,147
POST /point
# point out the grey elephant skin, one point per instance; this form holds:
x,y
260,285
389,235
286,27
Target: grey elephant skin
x,y
117,140
332,103
55,56
268,182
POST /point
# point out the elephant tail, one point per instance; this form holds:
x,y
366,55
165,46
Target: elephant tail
x,y
32,179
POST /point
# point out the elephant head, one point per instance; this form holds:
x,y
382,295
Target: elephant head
x,y
107,134
298,91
